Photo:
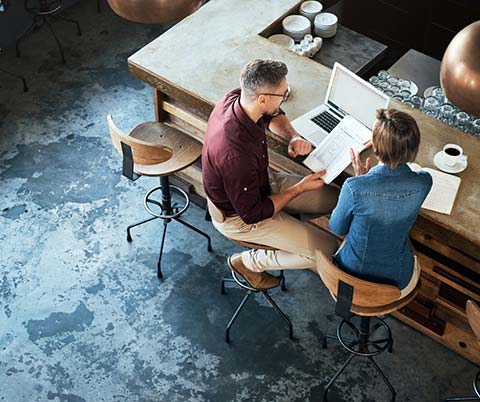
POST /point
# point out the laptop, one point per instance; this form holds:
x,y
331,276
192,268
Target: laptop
x,y
347,94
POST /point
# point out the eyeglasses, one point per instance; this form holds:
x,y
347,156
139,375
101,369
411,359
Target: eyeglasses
x,y
285,96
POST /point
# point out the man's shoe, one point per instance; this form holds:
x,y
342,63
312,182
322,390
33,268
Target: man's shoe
x,y
257,280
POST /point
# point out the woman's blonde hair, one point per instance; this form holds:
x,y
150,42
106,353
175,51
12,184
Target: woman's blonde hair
x,y
395,137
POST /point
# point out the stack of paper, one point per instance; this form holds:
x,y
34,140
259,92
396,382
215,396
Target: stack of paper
x,y
444,190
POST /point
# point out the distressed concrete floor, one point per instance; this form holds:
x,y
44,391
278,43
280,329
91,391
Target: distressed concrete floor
x,y
82,314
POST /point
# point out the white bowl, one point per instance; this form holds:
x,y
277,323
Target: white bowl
x,y
325,20
296,24
297,36
311,7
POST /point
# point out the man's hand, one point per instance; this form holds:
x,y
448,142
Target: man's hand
x,y
299,146
358,166
312,181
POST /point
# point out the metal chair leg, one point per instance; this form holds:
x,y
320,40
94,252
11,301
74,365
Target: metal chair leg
x,y
159,264
282,314
282,280
235,315
337,374
129,236
59,45
324,340
29,30
188,225
385,379
62,18
25,87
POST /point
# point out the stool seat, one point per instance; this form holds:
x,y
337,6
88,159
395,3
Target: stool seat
x,y
186,149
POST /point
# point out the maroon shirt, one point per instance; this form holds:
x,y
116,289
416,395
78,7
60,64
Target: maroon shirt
x,y
235,162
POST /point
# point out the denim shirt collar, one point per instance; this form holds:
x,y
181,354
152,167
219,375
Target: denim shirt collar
x,y
385,170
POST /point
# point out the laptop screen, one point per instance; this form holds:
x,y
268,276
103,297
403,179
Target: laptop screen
x,y
355,96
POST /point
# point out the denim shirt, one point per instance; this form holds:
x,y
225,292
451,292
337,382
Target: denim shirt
x,y
376,211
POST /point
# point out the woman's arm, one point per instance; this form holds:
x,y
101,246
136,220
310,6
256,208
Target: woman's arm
x,y
342,215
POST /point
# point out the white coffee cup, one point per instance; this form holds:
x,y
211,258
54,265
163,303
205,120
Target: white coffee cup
x,y
452,154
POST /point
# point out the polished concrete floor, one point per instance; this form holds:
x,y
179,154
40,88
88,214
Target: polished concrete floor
x,y
83,316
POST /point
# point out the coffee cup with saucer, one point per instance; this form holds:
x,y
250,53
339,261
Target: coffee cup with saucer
x,y
451,159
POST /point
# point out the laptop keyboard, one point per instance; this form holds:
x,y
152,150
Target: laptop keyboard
x,y
326,121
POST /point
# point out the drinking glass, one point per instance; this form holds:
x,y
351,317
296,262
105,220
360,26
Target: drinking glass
x,y
404,84
408,103
383,85
462,121
447,113
417,101
405,93
383,75
430,106
398,97
374,80
394,88
476,128
392,80
389,93
438,93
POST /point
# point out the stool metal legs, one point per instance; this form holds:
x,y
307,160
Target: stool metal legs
x,y
168,212
365,345
41,19
25,87
476,388
250,290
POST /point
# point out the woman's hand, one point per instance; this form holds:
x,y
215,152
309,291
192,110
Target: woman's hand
x,y
358,166
299,146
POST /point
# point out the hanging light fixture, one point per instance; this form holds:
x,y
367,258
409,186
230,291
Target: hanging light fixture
x,y
460,70
154,11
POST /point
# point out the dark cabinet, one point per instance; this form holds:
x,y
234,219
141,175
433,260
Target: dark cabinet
x,y
425,25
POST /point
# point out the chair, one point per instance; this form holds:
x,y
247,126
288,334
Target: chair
x,y
357,302
157,150
473,317
42,11
218,215
24,82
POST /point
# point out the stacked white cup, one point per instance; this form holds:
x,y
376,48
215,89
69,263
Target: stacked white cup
x,y
310,9
325,25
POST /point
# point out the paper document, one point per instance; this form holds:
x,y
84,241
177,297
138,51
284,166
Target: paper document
x,y
333,153
444,190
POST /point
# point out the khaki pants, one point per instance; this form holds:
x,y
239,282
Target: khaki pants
x,y
295,241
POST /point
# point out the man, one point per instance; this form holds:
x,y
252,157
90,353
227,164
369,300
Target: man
x,y
237,183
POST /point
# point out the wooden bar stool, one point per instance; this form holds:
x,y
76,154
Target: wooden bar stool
x,y
473,317
157,150
218,215
357,302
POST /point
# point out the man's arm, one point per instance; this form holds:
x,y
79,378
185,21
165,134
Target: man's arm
x,y
308,183
281,126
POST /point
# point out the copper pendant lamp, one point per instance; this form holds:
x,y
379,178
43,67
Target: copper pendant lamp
x,y
154,11
460,70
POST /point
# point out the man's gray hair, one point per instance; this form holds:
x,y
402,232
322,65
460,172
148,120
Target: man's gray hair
x,y
260,74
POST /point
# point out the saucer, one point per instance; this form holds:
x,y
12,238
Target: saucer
x,y
457,168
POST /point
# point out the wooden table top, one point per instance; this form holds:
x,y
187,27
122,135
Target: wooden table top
x,y
204,54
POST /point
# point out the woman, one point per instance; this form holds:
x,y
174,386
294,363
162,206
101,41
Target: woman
x,y
377,208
